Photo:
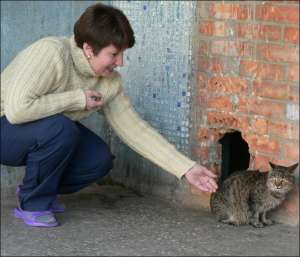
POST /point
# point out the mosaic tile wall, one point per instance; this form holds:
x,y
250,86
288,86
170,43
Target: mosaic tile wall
x,y
158,68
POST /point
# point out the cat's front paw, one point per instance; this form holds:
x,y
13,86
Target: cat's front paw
x,y
268,222
257,224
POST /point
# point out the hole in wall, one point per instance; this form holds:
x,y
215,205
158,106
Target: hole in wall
x,y
235,153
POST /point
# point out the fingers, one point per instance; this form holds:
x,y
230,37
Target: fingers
x,y
207,184
212,185
95,96
205,188
94,99
208,188
95,102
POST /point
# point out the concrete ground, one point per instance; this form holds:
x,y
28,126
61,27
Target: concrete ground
x,y
110,220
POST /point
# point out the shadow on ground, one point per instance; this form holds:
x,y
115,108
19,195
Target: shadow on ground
x,y
110,220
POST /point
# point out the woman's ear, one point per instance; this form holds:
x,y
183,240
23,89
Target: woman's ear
x,y
88,50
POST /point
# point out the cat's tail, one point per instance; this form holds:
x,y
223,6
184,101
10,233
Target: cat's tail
x,y
215,204
211,201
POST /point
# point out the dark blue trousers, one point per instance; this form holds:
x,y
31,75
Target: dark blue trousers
x,y
61,156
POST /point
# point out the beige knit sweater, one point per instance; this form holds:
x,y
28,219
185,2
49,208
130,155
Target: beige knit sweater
x,y
49,77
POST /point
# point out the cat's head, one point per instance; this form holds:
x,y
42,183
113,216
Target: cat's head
x,y
280,178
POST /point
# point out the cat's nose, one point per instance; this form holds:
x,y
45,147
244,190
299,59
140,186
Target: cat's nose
x,y
278,184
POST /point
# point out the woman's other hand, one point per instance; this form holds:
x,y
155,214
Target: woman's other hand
x,y
202,178
93,99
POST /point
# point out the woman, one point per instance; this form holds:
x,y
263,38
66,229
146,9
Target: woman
x,y
51,85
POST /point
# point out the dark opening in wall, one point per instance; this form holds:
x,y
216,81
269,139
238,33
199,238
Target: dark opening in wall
x,y
235,154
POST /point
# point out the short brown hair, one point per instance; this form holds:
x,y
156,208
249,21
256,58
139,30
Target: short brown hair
x,y
101,25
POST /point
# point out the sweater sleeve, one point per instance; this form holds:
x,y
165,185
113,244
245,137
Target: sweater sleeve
x,y
32,79
142,138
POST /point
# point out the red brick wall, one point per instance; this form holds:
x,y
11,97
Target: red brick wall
x,y
247,80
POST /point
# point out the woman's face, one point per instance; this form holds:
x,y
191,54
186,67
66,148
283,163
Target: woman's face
x,y
105,61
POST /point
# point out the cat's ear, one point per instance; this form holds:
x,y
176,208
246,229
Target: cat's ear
x,y
272,165
293,167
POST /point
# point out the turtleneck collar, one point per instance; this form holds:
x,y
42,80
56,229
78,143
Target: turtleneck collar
x,y
80,61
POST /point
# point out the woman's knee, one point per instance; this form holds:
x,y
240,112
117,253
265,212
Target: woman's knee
x,y
103,168
105,163
73,181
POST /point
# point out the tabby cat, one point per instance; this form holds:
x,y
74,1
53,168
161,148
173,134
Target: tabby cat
x,y
246,196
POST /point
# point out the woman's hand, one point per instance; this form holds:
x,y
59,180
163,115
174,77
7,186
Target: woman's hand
x,y
93,99
202,178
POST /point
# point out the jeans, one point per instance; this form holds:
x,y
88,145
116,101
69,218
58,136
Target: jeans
x,y
61,156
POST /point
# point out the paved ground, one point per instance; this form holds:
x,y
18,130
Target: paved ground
x,y
105,220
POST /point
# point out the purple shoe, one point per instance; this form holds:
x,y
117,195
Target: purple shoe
x,y
37,218
55,207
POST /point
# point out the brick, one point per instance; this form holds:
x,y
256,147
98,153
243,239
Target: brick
x,y
214,65
220,102
271,90
278,13
227,121
204,153
260,126
203,47
261,163
278,129
262,107
211,134
232,48
278,53
292,151
203,63
202,97
291,35
259,31
202,134
244,124
262,144
294,94
293,72
230,11
201,152
213,28
227,84
293,132
231,65
267,145
261,70
202,80
215,134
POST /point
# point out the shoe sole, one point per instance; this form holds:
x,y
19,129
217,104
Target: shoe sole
x,y
33,223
